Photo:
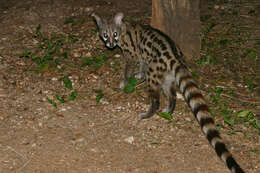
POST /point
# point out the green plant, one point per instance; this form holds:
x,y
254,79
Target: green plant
x,y
155,143
228,118
218,91
251,53
251,85
224,42
100,95
73,95
115,65
250,117
209,27
234,12
67,82
232,50
205,17
69,20
61,99
51,101
195,75
130,87
206,59
165,115
26,54
94,61
50,51
216,97
252,12
255,150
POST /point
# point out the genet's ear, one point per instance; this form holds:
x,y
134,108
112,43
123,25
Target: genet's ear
x,y
118,18
97,19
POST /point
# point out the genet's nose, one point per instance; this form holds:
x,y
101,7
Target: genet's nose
x,y
110,44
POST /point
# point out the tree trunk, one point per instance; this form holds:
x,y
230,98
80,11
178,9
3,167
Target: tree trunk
x,y
180,19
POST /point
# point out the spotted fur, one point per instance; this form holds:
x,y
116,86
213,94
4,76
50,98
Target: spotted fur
x,y
162,63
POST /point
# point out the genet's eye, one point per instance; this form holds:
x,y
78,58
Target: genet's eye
x,y
105,35
115,34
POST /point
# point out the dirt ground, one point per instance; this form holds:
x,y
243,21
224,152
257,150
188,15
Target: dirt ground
x,y
80,135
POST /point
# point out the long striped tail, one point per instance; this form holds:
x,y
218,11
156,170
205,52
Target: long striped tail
x,y
196,102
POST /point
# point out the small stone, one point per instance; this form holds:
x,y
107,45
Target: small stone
x,y
104,102
118,108
130,140
76,54
88,54
80,140
21,63
40,124
94,150
117,56
187,119
88,9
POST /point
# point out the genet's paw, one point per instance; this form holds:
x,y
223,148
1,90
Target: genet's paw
x,y
165,110
122,84
139,76
142,116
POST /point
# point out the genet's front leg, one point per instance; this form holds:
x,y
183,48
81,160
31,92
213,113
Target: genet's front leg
x,y
142,69
130,66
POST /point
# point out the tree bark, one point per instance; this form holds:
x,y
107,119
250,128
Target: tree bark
x,y
180,19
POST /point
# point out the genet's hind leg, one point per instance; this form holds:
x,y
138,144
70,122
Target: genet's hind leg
x,y
155,103
172,100
170,93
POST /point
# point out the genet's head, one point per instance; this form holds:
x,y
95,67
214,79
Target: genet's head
x,y
110,31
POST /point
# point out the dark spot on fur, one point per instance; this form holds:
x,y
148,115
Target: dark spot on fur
x,y
172,63
155,60
161,61
163,69
144,41
149,44
177,53
160,76
163,47
152,36
167,55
